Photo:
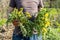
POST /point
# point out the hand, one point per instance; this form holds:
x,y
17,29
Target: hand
x,y
34,31
15,22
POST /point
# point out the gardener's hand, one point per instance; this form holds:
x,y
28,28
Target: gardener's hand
x,y
34,31
16,22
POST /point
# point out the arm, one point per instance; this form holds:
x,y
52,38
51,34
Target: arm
x,y
10,9
12,5
15,21
8,12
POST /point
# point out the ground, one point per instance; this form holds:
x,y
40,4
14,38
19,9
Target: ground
x,y
7,34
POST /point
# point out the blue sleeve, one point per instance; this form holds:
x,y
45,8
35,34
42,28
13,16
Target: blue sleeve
x,y
12,3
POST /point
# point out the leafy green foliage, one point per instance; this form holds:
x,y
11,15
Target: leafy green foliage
x,y
3,21
53,31
27,25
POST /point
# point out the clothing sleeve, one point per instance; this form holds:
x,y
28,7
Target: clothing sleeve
x,y
40,4
12,3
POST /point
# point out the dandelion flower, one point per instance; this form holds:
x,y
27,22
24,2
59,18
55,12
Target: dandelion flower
x,y
47,24
46,15
44,30
28,15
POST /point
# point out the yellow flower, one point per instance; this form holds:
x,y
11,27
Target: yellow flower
x,y
44,30
47,24
46,15
15,11
21,9
19,13
46,19
28,15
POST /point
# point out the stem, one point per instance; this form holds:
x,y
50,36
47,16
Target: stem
x,y
44,36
